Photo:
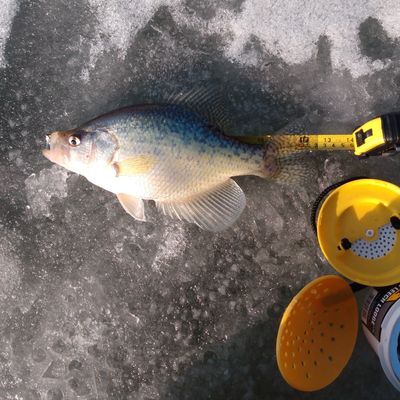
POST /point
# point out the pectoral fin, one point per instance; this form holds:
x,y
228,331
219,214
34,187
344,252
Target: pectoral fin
x,y
136,165
214,210
132,205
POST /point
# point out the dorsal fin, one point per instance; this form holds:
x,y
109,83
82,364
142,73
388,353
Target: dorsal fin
x,y
207,102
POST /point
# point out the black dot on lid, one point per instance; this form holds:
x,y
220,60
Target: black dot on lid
x,y
331,324
307,375
330,358
332,339
315,363
321,350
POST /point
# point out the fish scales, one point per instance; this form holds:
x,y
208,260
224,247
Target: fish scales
x,y
191,155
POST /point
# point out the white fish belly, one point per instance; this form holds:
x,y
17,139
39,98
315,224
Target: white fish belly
x,y
174,178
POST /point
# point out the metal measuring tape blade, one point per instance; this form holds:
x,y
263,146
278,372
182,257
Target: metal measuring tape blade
x,y
379,136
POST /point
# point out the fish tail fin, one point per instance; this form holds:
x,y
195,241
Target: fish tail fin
x,y
285,164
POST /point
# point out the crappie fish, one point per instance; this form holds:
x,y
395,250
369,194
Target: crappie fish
x,y
174,154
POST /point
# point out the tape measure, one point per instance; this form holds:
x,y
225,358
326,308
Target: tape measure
x,y
379,136
307,141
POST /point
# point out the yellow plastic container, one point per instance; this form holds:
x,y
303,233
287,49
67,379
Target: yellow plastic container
x,y
356,232
317,334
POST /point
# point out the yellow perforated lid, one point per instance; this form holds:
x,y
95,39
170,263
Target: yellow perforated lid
x,y
358,231
317,333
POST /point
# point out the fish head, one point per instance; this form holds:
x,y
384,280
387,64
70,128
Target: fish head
x,y
80,150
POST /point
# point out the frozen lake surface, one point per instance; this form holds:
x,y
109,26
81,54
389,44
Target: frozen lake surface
x,y
95,305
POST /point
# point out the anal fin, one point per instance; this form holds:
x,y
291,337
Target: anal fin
x,y
132,205
214,210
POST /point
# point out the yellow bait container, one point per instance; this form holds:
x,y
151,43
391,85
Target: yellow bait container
x,y
317,334
358,228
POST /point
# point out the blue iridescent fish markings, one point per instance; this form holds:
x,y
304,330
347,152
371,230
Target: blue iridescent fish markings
x,y
176,154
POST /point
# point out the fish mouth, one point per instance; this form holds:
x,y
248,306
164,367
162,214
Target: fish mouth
x,y
46,150
47,142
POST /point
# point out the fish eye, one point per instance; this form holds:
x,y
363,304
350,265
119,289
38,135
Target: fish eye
x,y
74,140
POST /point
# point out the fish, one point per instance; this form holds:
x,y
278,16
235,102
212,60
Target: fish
x,y
176,153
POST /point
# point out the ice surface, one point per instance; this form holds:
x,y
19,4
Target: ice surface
x,y
292,29
289,30
172,246
95,305
9,270
118,23
47,185
8,10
